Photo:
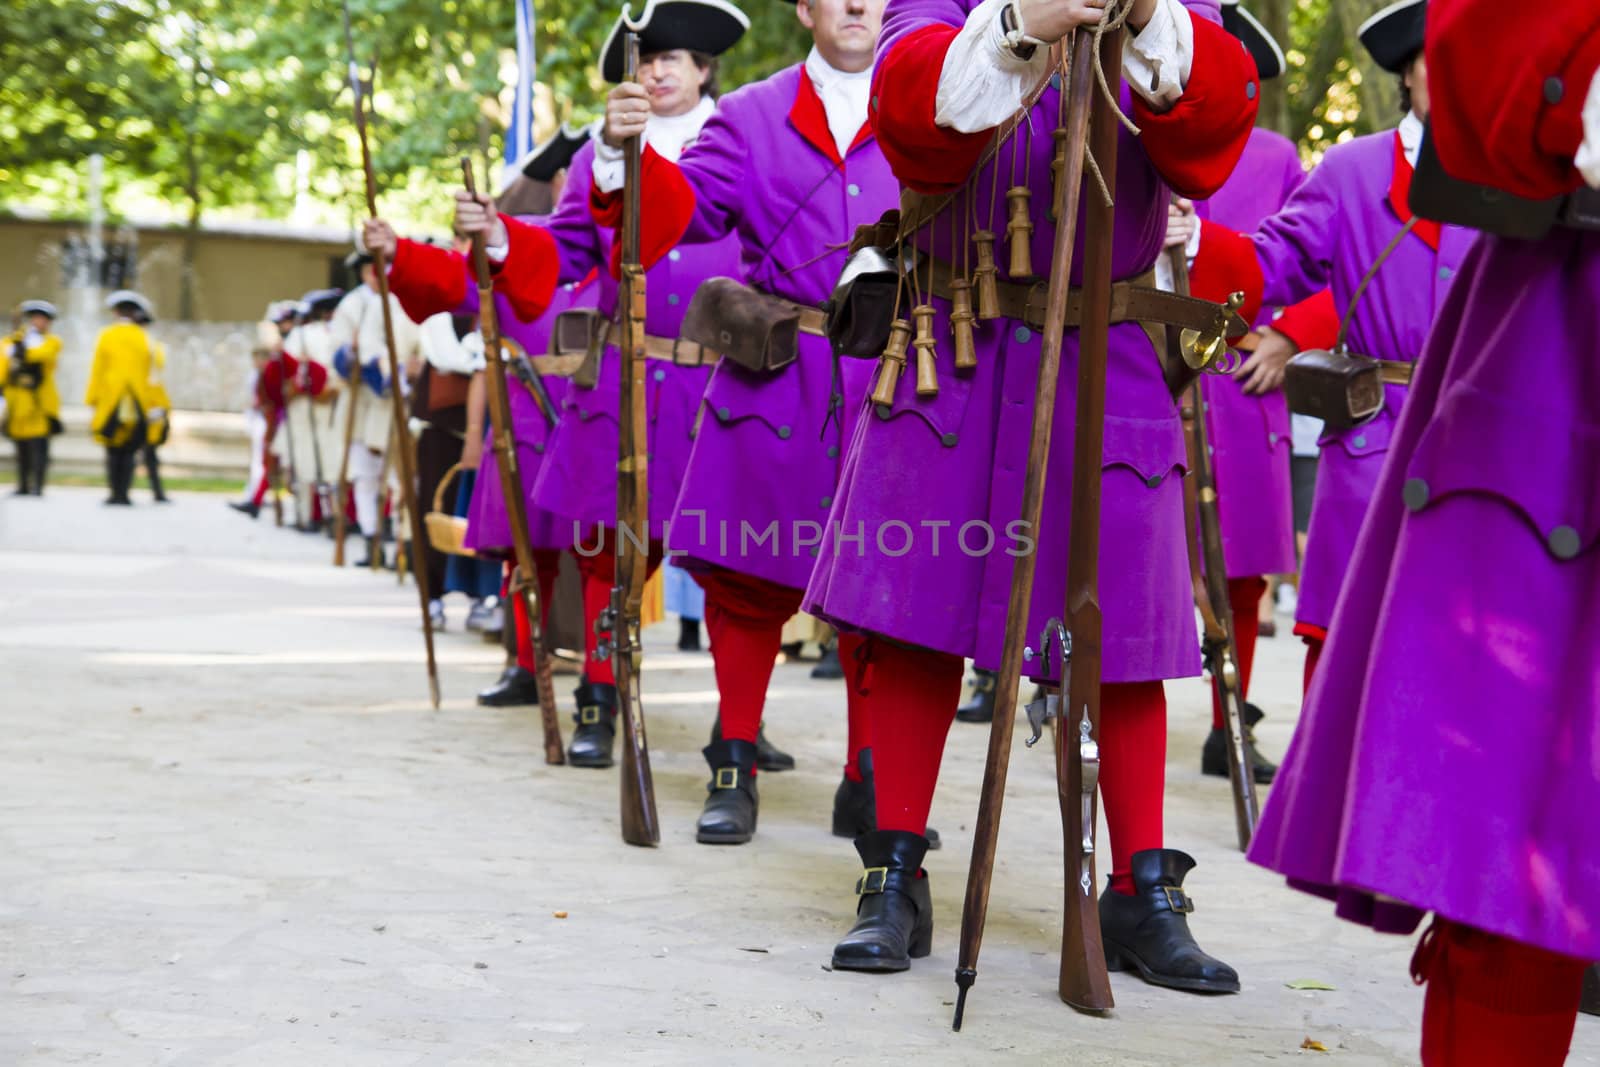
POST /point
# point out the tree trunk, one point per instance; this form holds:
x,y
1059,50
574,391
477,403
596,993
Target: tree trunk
x,y
1274,16
191,188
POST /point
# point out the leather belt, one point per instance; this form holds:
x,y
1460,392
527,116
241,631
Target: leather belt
x,y
1394,372
683,353
556,366
1132,300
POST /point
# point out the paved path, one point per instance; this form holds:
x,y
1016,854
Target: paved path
x,y
232,833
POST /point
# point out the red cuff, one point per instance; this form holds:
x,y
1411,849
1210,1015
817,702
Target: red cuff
x,y
427,280
1196,144
663,220
923,155
311,378
528,276
1227,264
1312,323
1519,128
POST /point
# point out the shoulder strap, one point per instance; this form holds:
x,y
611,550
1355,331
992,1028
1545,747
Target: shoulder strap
x,y
1372,272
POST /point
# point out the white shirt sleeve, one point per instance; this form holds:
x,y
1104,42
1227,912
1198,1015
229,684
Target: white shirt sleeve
x,y
981,83
608,168
1587,159
1156,61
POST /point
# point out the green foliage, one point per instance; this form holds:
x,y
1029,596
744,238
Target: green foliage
x,y
246,104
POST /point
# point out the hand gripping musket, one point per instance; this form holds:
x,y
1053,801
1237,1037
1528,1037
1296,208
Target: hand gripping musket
x,y
524,581
1211,579
621,619
380,266
1081,951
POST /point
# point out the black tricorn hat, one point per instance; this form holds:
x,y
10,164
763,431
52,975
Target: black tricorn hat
x,y
546,160
357,259
707,26
1260,44
1394,34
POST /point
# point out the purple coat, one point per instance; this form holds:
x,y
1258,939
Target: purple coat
x,y
766,461
949,470
1329,234
580,481
488,522
1447,756
1249,435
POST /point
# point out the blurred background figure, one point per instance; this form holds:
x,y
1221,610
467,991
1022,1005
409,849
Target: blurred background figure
x,y
118,390
33,406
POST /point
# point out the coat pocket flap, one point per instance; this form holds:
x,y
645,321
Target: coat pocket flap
x,y
1151,448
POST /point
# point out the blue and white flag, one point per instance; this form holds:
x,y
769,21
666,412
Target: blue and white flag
x,y
519,137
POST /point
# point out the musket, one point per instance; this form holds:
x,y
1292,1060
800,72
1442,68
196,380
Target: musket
x,y
408,478
1084,982
621,618
524,581
531,380
1077,87
352,386
282,423
1211,585
375,559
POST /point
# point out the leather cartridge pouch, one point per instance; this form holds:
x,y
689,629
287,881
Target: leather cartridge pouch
x,y
580,331
757,331
862,306
1341,389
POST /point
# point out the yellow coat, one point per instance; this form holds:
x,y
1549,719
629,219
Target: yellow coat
x,y
158,404
119,383
32,411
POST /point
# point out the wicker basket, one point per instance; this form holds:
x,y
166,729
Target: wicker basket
x,y
446,532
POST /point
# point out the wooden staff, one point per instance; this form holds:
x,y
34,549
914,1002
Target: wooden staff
x,y
639,823
524,580
352,387
1211,587
1078,85
408,479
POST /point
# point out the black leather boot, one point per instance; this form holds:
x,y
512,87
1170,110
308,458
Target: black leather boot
x,y
596,733
1590,1003
729,817
374,549
517,687
1148,933
1214,754
688,635
894,915
980,708
855,804
769,757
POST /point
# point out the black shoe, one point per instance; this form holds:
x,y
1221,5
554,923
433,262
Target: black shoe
x,y
1148,932
1590,1004
246,507
517,687
688,635
596,733
1214,754
374,551
980,708
828,667
119,502
855,804
769,757
894,916
729,817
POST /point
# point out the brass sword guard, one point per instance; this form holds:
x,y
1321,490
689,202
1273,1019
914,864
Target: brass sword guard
x,y
1201,347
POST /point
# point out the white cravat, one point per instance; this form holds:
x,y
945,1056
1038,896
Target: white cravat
x,y
1411,137
667,134
982,84
844,97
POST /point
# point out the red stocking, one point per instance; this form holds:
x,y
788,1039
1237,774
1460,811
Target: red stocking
x,y
1133,767
851,650
599,574
910,699
744,617
1493,1001
1244,600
